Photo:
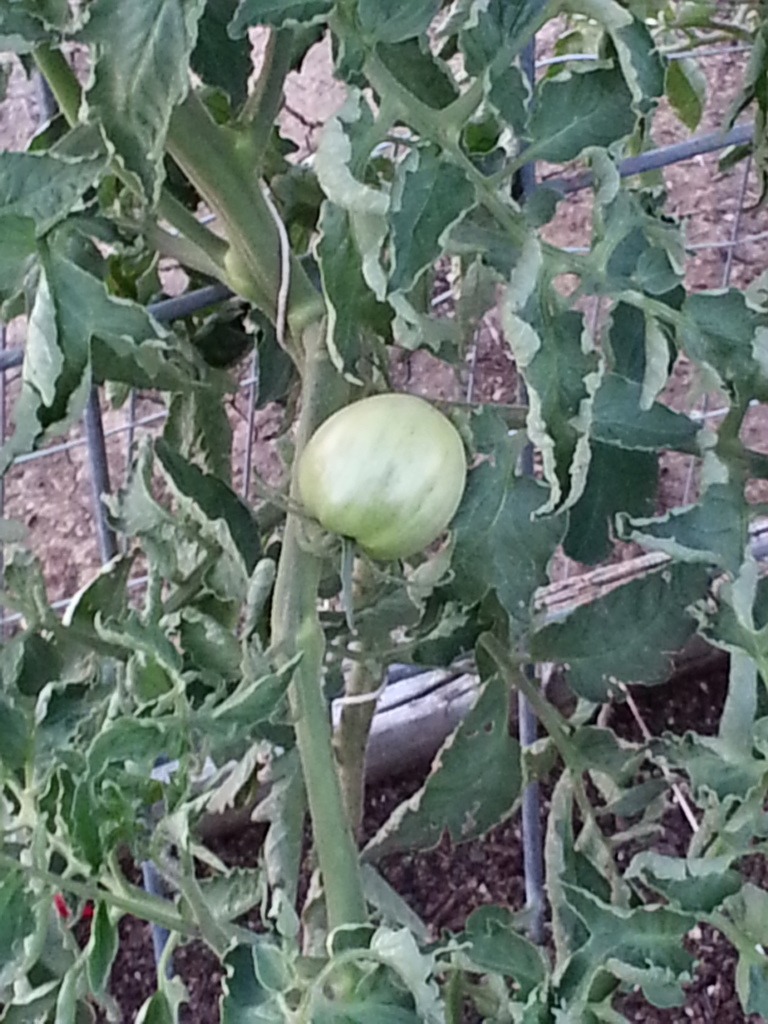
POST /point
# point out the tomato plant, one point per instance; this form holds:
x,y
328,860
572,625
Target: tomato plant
x,y
112,714
388,471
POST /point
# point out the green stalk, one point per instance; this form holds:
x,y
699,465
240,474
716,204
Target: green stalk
x,y
263,105
131,900
61,80
557,727
216,166
296,630
357,710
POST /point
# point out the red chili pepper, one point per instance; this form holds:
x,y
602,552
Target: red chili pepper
x,y
87,913
60,904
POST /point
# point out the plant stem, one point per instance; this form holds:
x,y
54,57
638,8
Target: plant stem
x,y
61,80
131,899
180,249
557,727
357,710
296,630
211,159
185,222
263,105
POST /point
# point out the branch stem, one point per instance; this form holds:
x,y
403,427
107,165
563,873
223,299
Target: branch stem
x,y
296,630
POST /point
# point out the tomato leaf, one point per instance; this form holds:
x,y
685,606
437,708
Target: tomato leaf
x,y
392,21
451,801
714,531
209,502
277,13
617,481
577,110
221,60
430,195
618,418
686,89
499,545
101,950
628,635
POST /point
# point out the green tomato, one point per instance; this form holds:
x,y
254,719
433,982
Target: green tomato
x,y
388,471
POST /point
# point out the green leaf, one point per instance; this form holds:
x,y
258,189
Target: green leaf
x,y
419,72
341,146
221,514
129,740
105,594
208,646
714,531
219,59
499,545
156,38
45,188
562,373
634,247
20,31
686,89
494,945
430,195
465,806
70,308
618,418
27,663
617,481
510,93
748,909
641,63
244,1000
16,923
84,824
277,13
714,766
101,950
577,110
253,700
497,32
15,731
352,307
393,21
198,428
695,884
648,941
284,807
723,332
17,248
628,635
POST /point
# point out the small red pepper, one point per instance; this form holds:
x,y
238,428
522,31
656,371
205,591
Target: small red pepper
x,y
60,904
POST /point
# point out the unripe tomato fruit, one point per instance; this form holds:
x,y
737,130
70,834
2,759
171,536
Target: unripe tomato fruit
x,y
388,471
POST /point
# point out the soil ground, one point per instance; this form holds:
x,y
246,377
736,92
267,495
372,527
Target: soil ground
x,y
51,495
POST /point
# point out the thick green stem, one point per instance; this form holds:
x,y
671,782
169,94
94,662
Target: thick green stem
x,y
211,159
296,630
263,105
185,222
180,249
